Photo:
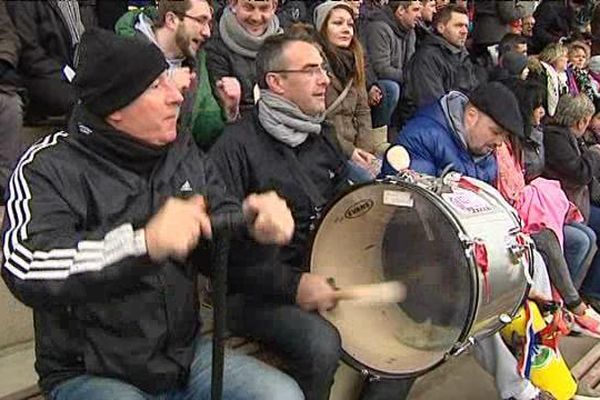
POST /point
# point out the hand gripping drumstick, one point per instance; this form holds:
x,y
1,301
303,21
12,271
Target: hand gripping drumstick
x,y
373,294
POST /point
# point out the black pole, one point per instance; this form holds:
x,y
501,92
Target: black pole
x,y
219,295
223,227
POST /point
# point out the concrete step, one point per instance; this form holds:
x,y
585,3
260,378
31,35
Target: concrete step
x,y
19,380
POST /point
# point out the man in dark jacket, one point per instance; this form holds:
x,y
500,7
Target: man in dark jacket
x,y
391,38
49,32
442,63
116,218
11,114
492,19
284,144
554,20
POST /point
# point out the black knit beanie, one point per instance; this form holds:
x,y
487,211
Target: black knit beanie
x,y
113,71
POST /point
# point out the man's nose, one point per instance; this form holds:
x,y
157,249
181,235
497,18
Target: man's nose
x,y
174,96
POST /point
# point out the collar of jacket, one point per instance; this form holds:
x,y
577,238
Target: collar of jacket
x,y
435,39
102,140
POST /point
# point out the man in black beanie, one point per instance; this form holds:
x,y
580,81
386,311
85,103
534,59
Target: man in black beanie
x,y
103,239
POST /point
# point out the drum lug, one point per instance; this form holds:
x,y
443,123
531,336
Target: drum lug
x,y
369,375
462,347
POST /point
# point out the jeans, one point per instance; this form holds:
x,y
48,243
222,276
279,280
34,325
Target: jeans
x,y
243,378
310,345
381,114
358,174
579,248
591,283
11,135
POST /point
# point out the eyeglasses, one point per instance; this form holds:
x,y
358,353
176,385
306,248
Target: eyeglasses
x,y
312,71
200,20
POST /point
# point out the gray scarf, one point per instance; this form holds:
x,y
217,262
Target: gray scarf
x,y
238,40
72,17
283,120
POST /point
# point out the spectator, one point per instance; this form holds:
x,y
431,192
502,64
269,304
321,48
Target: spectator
x,y
49,32
527,25
510,65
542,203
460,133
346,98
361,18
286,130
11,113
439,4
512,42
391,42
425,24
492,23
108,242
442,63
575,167
180,29
554,20
291,12
549,71
579,78
231,55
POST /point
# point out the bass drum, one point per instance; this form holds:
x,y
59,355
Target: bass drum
x,y
459,250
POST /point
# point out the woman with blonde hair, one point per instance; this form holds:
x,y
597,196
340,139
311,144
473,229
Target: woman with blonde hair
x,y
347,99
549,70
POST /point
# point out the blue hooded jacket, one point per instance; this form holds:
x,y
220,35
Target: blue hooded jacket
x,y
434,139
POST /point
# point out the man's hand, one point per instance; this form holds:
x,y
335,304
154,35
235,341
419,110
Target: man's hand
x,y
363,158
273,221
315,293
375,95
174,231
229,91
182,77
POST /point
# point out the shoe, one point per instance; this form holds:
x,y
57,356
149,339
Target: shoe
x,y
587,324
592,302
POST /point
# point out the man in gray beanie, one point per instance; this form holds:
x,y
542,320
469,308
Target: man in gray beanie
x,y
105,232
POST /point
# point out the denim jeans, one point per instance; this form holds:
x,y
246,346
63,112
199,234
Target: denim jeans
x,y
243,378
381,114
579,242
309,344
358,174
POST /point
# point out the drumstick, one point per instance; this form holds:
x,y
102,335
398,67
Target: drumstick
x,y
377,293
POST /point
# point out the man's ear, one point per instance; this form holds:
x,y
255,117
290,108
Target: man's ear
x,y
274,83
171,20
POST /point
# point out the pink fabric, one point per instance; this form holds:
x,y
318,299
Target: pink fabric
x,y
541,203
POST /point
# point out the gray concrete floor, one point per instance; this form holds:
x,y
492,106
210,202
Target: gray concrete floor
x,y
463,379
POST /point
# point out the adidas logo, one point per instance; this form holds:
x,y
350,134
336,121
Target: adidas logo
x,y
331,174
186,187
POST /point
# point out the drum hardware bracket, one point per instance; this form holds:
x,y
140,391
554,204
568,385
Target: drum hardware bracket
x,y
370,376
459,349
505,318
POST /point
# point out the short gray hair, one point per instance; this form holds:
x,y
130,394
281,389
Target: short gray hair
x,y
572,109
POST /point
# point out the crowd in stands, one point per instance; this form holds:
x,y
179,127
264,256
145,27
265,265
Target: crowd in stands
x,y
307,97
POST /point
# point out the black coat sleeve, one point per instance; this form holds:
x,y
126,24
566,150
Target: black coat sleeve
x,y
564,161
51,259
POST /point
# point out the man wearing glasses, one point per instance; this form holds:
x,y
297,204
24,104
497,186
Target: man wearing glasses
x,y
284,146
180,29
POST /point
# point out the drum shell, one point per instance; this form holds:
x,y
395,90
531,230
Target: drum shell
x,y
498,292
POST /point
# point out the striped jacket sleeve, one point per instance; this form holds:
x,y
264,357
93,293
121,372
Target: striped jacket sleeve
x,y
48,259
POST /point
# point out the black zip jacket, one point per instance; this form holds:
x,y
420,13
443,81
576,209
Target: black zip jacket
x,y
73,251
252,161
